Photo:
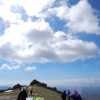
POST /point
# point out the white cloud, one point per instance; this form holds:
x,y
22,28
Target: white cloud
x,y
5,66
30,68
32,44
7,15
79,18
31,7
73,82
37,42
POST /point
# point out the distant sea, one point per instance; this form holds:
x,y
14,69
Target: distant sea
x,y
3,87
6,87
87,93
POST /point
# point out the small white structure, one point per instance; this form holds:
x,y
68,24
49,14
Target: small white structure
x,y
8,90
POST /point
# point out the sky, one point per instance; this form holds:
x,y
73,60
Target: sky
x,y
53,41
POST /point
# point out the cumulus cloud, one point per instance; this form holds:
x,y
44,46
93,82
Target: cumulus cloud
x,y
7,67
8,15
35,41
79,18
31,7
30,68
31,44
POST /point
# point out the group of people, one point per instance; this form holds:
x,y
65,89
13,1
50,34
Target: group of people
x,y
23,93
75,96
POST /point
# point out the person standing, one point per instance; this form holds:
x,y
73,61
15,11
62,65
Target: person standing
x,y
31,92
63,96
68,95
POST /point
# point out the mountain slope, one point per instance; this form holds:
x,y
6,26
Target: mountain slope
x,y
44,92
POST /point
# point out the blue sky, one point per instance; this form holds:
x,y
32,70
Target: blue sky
x,y
54,41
